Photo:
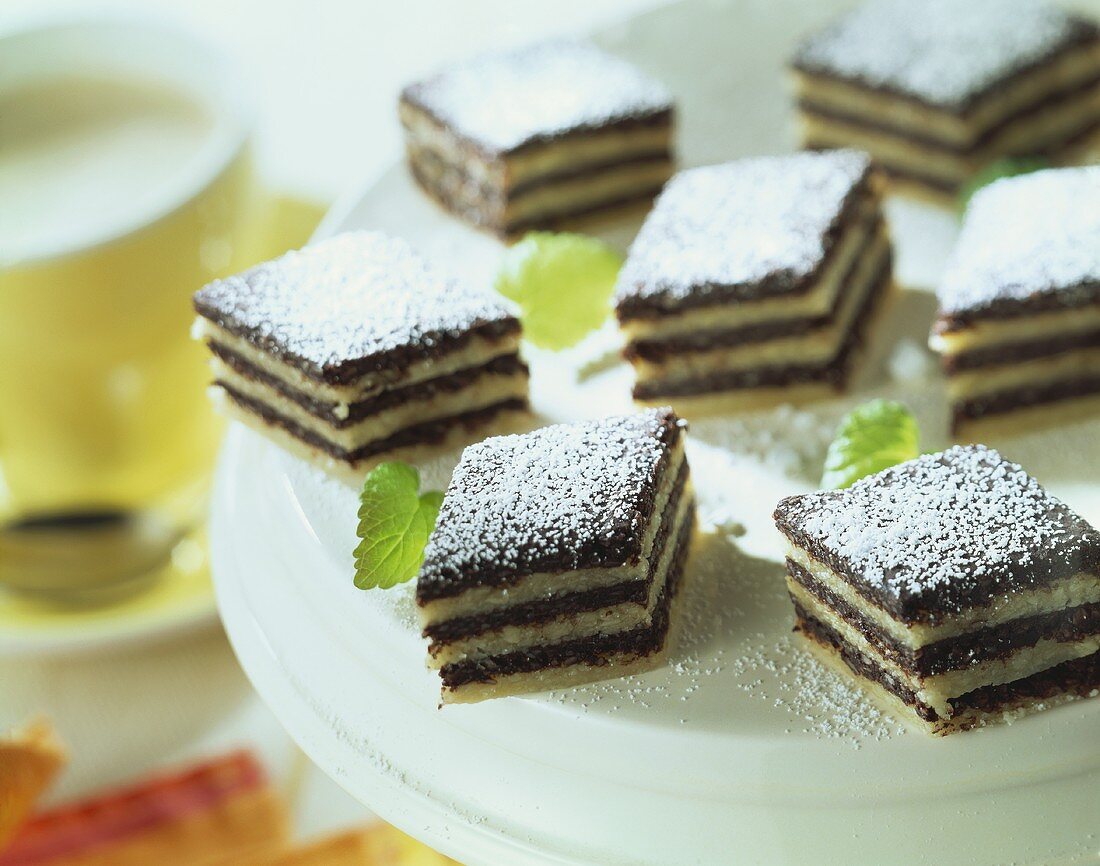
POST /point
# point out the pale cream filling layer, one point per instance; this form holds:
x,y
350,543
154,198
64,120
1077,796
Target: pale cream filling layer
x,y
1030,134
1071,69
572,152
936,691
352,473
485,391
982,334
608,667
608,620
476,352
1082,588
981,381
569,195
534,587
818,346
1026,419
819,300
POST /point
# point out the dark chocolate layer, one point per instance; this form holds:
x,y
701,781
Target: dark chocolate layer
x,y
858,663
436,345
657,350
486,215
1065,298
1003,402
640,305
1080,677
1079,91
568,603
427,433
986,644
497,193
503,365
834,372
481,151
1084,34
1017,352
593,650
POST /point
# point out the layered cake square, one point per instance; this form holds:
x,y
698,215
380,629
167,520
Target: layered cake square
x,y
355,349
754,282
558,557
1019,321
936,90
526,138
954,587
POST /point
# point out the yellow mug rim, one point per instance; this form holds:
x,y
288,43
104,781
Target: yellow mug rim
x,y
167,49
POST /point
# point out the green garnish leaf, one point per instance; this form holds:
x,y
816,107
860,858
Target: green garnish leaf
x,y
562,283
395,520
1007,167
870,438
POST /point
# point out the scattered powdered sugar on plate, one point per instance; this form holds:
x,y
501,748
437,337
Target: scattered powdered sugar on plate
x,y
788,440
736,630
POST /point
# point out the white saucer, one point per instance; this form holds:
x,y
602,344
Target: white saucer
x,y
742,750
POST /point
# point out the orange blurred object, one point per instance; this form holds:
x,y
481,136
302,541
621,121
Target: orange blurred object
x,y
30,759
377,845
216,810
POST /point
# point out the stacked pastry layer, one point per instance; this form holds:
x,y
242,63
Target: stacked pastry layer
x,y
557,557
355,349
755,279
522,139
936,90
1019,320
953,586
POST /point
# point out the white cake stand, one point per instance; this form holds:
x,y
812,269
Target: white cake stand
x,y
743,749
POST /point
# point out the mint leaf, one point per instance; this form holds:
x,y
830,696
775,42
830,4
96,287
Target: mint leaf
x,y
870,438
562,283
1007,167
395,520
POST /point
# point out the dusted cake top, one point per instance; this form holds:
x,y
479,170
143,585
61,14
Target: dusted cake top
x,y
1028,242
931,537
562,498
504,100
740,230
355,302
945,53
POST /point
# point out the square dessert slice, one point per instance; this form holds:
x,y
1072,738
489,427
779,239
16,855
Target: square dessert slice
x,y
953,586
558,556
525,138
938,89
1019,320
754,281
355,349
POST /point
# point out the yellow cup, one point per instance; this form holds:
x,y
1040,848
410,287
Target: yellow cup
x,y
105,431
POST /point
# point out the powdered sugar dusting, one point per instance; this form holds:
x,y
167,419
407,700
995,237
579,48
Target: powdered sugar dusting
x,y
944,531
1036,234
726,229
346,299
942,52
506,99
736,631
563,497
